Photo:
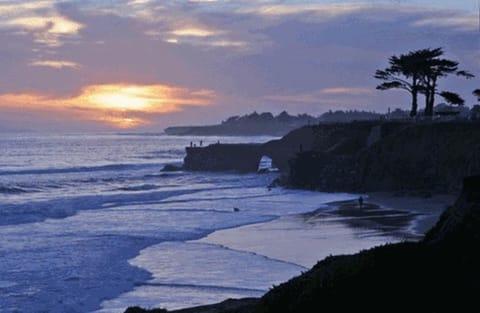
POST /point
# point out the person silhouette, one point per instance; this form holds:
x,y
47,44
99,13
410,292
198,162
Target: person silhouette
x,y
360,202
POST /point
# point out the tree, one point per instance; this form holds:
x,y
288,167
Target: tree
x,y
476,93
404,73
452,98
434,68
419,72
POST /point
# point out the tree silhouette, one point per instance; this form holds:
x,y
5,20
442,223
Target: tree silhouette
x,y
434,68
404,73
476,93
452,98
419,72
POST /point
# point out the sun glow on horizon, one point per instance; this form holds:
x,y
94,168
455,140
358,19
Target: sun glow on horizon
x,y
116,105
125,98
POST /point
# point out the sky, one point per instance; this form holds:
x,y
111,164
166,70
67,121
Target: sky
x,y
145,65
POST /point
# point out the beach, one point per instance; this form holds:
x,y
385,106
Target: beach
x,y
304,239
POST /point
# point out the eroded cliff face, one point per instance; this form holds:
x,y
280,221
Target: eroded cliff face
x,y
223,157
427,157
422,157
460,223
246,157
335,139
359,156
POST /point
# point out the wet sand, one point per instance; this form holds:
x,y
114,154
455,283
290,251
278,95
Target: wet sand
x,y
427,210
336,228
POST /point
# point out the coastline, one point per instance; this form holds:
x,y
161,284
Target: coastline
x,y
201,273
443,262
298,240
304,239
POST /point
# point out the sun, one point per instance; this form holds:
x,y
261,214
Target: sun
x,y
121,97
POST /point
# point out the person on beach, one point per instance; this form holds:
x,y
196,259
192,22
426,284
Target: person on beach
x,y
360,202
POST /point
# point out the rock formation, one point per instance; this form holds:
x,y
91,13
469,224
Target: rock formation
x,y
360,156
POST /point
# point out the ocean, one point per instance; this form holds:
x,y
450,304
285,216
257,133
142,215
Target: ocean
x,y
89,223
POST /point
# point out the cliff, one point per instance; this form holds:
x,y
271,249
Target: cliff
x,y
246,157
359,156
224,157
420,157
424,157
337,139
438,274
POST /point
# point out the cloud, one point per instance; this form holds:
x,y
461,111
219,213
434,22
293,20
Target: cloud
x,y
203,1
321,95
346,91
118,105
55,25
55,64
41,19
139,2
325,10
12,8
458,22
194,32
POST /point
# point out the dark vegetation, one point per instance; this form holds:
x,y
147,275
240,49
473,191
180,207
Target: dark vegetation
x,y
248,125
476,93
438,274
268,124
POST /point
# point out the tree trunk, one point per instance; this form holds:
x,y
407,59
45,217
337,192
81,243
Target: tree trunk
x,y
431,104
414,91
427,104
431,98
427,101
413,112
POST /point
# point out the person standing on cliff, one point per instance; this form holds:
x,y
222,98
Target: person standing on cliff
x,y
360,202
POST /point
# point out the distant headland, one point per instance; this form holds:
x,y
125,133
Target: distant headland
x,y
256,124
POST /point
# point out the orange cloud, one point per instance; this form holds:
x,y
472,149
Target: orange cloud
x,y
194,32
55,64
117,105
347,91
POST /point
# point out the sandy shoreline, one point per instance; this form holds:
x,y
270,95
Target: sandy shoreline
x,y
427,209
337,228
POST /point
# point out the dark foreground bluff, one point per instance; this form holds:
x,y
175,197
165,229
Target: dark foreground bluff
x,y
441,273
